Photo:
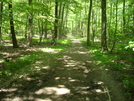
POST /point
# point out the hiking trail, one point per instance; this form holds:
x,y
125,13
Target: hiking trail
x,y
74,76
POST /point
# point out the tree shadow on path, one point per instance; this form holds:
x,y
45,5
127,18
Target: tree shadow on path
x,y
74,76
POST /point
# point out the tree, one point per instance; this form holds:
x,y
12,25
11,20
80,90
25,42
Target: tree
x,y
61,17
104,20
114,40
124,20
88,27
14,40
56,23
1,11
30,26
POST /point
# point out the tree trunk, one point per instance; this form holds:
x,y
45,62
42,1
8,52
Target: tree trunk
x,y
88,27
133,16
56,23
104,19
110,23
62,18
14,40
26,27
66,16
1,11
41,30
114,40
93,25
30,26
124,20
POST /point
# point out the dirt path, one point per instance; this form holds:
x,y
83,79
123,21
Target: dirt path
x,y
74,76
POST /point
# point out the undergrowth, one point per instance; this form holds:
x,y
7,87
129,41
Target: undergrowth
x,y
27,63
121,61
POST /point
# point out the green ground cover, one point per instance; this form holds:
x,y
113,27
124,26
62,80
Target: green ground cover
x,y
121,61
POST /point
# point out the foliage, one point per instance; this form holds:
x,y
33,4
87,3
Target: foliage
x,y
129,84
120,61
130,45
18,63
27,61
72,18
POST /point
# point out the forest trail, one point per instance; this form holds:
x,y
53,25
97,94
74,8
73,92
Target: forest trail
x,y
74,76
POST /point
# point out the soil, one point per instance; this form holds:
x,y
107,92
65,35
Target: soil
x,y
73,76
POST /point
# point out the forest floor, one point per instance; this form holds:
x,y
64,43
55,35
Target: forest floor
x,y
72,76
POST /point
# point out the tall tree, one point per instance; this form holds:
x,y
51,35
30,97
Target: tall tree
x,y
14,40
56,23
88,27
1,11
61,17
124,20
116,16
94,24
30,26
104,20
133,16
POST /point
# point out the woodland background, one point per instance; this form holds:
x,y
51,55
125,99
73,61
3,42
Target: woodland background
x,y
105,27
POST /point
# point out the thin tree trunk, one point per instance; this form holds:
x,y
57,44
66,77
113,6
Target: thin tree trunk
x,y
1,11
85,14
88,27
124,20
60,9
56,23
59,16
133,16
109,23
81,28
62,18
66,16
72,26
26,27
41,31
30,26
93,25
104,19
14,40
114,40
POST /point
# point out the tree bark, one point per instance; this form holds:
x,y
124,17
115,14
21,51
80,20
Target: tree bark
x,y
56,23
104,20
133,16
30,26
114,40
1,11
61,22
93,25
124,20
14,40
88,27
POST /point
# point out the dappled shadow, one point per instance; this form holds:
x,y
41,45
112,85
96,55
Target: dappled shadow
x,y
73,76
10,52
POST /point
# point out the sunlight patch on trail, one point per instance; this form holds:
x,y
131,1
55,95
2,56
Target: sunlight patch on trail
x,y
46,99
40,68
76,41
82,52
53,90
50,50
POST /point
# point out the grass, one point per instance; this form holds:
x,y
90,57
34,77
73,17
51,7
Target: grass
x,y
120,61
31,61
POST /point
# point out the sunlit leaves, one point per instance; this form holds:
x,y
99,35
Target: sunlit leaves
x,y
130,45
